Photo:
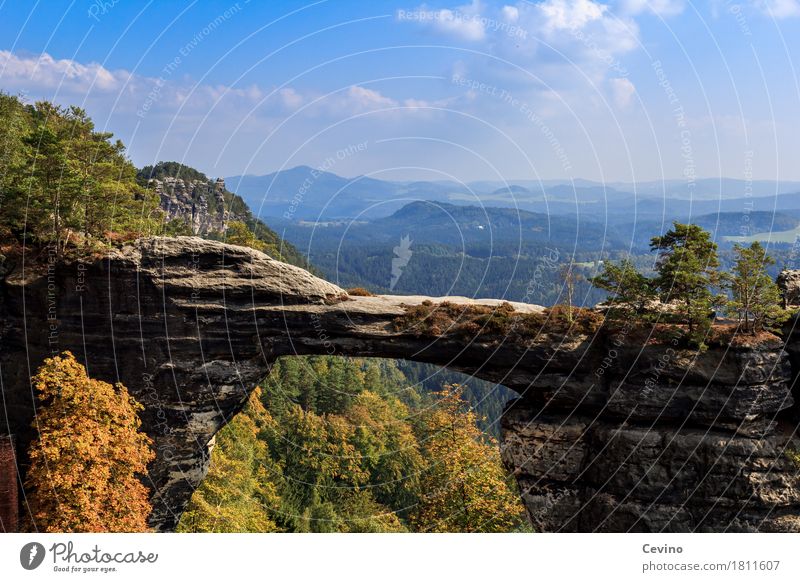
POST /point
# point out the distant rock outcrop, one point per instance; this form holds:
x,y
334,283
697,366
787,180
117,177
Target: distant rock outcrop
x,y
198,203
789,283
612,432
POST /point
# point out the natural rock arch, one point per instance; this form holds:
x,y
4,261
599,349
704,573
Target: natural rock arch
x,y
191,326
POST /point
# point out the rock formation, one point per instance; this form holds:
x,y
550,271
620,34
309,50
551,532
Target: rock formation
x,y
606,435
789,282
200,204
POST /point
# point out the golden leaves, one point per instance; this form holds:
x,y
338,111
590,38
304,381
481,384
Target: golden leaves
x,y
84,465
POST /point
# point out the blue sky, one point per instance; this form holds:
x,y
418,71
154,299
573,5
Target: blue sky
x,y
557,89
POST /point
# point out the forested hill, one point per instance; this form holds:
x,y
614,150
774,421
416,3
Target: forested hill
x,y
70,188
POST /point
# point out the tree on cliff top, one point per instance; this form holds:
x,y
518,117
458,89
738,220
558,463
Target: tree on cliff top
x,y
86,463
62,182
756,298
630,292
687,268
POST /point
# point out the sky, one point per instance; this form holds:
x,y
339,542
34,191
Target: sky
x,y
615,91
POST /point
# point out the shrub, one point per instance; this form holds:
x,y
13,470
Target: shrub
x,y
428,319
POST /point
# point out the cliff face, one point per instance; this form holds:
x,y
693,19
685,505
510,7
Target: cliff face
x,y
200,204
668,440
605,436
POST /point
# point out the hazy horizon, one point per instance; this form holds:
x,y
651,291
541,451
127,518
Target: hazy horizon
x,y
377,174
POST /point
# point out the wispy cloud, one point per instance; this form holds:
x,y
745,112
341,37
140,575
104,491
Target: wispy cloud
x,y
778,8
45,77
560,15
45,72
465,22
623,91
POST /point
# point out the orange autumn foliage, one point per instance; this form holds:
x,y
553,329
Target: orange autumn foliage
x,y
465,488
84,465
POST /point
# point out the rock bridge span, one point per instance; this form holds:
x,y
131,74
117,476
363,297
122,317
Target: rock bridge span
x,y
610,433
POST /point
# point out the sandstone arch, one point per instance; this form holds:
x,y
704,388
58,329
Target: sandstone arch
x,y
190,326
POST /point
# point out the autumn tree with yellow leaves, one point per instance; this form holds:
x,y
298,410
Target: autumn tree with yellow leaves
x,y
464,488
90,453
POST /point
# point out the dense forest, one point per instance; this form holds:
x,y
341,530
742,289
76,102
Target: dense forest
x,y
499,252
332,444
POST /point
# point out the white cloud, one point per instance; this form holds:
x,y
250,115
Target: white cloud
x,y
563,15
363,99
72,82
43,71
778,8
291,98
460,25
623,91
663,8
510,13
593,32
586,33
416,103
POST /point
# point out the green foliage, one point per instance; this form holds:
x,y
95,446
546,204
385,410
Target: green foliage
x,y
487,399
756,299
169,170
62,182
13,148
793,455
465,488
240,491
631,293
239,234
687,269
245,234
176,227
345,448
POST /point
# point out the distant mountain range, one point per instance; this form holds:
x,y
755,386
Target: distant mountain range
x,y
303,193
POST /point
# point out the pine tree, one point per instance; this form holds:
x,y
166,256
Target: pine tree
x,y
61,181
89,455
756,298
631,292
14,126
687,269
388,448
